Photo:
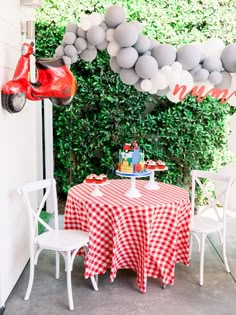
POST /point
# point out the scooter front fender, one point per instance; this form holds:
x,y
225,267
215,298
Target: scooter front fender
x,y
18,86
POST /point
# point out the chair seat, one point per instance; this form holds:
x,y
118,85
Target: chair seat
x,y
62,240
205,225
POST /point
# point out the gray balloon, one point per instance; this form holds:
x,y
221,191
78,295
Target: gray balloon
x,y
228,58
212,63
126,34
80,44
114,65
69,38
202,75
138,25
81,33
74,59
163,92
104,26
215,77
59,52
153,43
114,16
67,60
137,85
90,46
127,57
89,54
195,70
143,44
147,53
103,45
72,27
189,56
129,76
96,35
70,51
164,54
226,81
146,67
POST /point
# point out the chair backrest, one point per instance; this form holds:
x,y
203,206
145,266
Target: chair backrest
x,y
47,187
226,182
228,170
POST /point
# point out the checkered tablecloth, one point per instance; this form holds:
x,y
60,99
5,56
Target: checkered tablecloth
x,y
149,234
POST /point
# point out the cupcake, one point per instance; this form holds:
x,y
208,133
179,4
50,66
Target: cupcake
x,y
146,163
161,165
90,179
98,180
104,177
151,165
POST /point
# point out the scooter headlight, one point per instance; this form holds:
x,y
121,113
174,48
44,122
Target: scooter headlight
x,y
24,50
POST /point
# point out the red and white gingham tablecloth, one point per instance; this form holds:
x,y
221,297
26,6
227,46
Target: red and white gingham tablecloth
x,y
149,234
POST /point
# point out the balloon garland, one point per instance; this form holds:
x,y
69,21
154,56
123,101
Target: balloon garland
x,y
201,69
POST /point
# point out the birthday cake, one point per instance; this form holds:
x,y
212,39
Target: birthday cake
x,y
131,159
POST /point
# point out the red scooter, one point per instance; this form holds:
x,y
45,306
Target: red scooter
x,y
54,81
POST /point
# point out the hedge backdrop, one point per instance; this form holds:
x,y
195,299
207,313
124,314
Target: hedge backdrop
x,y
106,113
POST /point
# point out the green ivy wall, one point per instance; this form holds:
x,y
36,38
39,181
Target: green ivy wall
x,y
106,113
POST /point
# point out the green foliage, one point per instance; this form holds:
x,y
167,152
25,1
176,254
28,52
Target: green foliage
x,y
106,113
45,216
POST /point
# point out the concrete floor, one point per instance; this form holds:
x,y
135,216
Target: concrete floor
x,y
185,297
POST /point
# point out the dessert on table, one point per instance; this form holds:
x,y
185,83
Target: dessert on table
x,y
131,164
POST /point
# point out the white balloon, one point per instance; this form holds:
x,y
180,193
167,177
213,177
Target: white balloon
x,y
176,66
208,86
96,18
153,90
232,122
160,80
146,85
232,101
85,25
172,98
174,78
232,142
233,81
110,34
185,79
166,69
113,48
232,91
84,17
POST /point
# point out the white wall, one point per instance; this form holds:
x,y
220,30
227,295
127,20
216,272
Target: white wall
x,y
20,153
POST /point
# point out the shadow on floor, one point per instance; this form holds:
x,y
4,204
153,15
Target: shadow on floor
x,y
185,297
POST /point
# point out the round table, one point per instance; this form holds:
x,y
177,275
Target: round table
x,y
149,234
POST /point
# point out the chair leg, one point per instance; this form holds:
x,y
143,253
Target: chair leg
x,y
94,282
202,249
96,278
31,279
225,256
57,265
68,280
190,246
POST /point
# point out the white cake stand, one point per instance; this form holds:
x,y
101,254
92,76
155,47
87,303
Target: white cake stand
x,y
152,184
96,191
133,191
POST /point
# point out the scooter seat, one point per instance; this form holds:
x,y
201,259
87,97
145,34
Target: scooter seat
x,y
45,63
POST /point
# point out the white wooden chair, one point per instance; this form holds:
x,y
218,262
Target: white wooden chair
x,y
212,217
64,242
